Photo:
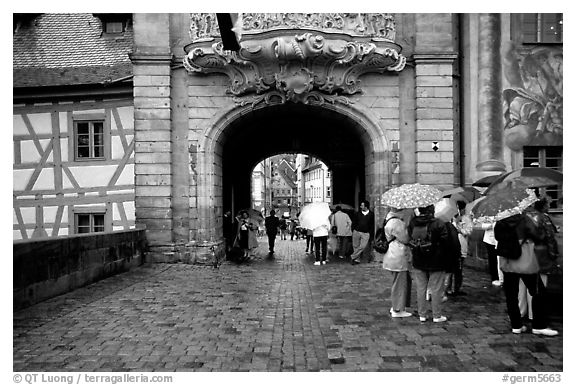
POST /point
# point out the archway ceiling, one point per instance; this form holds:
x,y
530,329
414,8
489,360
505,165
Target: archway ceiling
x,y
293,128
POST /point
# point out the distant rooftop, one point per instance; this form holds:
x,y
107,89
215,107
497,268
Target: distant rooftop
x,y
68,49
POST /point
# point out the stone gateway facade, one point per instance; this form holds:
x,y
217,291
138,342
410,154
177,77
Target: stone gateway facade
x,y
381,99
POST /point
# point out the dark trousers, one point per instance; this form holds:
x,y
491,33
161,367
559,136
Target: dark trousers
x,y
492,261
321,242
454,282
309,243
271,241
538,292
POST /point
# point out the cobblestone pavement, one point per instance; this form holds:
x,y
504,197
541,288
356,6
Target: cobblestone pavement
x,y
280,314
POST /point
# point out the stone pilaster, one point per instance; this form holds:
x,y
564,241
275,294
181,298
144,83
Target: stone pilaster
x,y
490,126
152,125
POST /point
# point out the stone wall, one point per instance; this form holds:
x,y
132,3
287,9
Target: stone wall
x,y
46,268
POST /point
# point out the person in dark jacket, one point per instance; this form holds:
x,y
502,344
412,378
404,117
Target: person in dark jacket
x,y
524,268
362,233
271,223
429,260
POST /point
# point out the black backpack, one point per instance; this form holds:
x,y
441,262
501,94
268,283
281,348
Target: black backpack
x,y
508,243
421,242
382,243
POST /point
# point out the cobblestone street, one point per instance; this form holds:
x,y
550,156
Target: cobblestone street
x,y
280,314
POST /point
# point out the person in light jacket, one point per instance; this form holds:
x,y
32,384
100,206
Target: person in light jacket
x,y
343,224
397,260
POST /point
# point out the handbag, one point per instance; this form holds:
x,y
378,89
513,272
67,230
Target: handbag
x,y
527,263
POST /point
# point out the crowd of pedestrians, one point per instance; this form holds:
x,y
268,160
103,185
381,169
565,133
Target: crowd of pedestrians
x,y
430,252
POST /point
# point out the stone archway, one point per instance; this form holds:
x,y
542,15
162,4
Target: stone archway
x,y
225,148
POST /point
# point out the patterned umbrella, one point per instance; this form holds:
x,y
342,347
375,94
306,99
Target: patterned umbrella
x,y
409,196
527,177
502,204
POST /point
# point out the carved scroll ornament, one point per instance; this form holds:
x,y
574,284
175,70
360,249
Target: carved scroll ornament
x,y
294,65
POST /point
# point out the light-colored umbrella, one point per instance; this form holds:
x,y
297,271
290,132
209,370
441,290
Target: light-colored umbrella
x,y
409,196
314,215
445,209
502,204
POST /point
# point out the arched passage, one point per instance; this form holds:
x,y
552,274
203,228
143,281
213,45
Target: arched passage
x,y
347,139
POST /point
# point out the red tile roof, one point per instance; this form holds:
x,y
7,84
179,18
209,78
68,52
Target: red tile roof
x,y
69,49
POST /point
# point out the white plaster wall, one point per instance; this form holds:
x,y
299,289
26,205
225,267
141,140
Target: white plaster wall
x,y
28,214
29,152
63,117
42,122
130,210
45,180
127,117
117,149
93,176
127,175
50,214
20,179
18,126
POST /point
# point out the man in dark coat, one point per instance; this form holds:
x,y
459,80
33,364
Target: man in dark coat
x,y
428,241
362,233
271,223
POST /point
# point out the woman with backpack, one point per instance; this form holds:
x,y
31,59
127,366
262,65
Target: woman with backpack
x,y
428,242
397,259
516,236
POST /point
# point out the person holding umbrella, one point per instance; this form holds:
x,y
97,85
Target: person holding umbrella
x,y
428,236
516,235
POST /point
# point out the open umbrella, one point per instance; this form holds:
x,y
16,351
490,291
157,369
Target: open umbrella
x,y
486,181
409,196
445,209
314,215
466,194
502,204
253,214
343,206
527,177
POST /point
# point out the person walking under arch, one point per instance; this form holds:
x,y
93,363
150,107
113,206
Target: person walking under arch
x,y
362,233
271,223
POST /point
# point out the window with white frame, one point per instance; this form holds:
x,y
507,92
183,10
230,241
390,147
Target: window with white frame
x,y
89,140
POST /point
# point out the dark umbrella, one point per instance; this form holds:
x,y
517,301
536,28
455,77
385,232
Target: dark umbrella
x,y
467,193
486,181
343,206
502,204
253,214
527,177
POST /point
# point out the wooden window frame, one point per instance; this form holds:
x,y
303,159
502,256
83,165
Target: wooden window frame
x,y
76,118
91,211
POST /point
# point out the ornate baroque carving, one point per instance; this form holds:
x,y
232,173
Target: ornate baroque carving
x,y
302,66
375,25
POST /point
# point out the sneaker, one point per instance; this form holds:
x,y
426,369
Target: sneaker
x,y
428,296
391,310
354,262
323,262
341,256
440,319
422,319
400,314
497,283
545,332
444,299
317,263
523,329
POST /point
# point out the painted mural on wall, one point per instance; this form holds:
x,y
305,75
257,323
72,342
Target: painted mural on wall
x,y
533,101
